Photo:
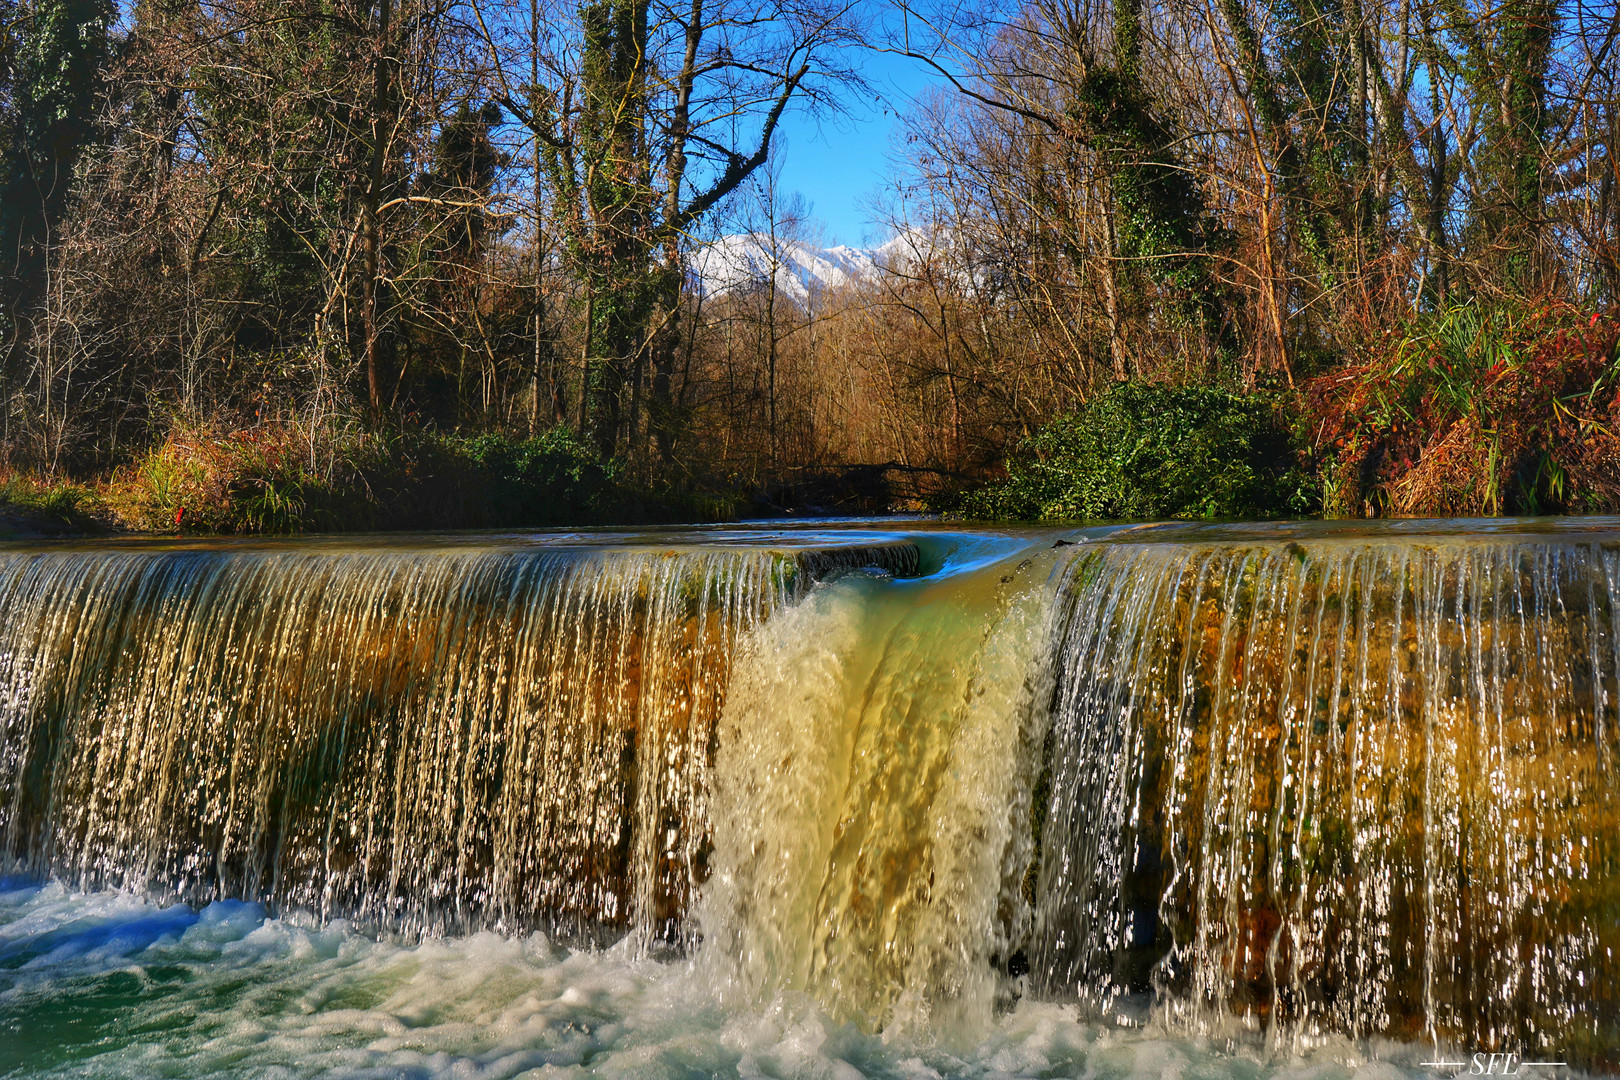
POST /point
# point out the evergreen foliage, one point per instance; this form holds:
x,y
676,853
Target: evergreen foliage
x,y
53,56
1148,452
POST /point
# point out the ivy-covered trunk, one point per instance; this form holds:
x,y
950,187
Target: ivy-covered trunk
x,y
1162,222
384,111
663,414
53,57
613,136
616,345
1515,150
618,188
1505,59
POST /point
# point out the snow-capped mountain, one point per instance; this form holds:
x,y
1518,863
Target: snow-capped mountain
x,y
744,260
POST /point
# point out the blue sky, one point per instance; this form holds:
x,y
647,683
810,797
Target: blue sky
x,y
838,163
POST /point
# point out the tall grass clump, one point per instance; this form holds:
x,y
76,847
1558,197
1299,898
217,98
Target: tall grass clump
x,y
1477,409
40,505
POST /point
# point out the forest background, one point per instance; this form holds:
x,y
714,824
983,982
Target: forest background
x,y
269,265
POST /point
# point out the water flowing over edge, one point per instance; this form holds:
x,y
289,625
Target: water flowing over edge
x,y
1184,775
439,742
1361,788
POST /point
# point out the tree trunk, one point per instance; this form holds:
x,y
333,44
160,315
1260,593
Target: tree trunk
x,y
382,128
661,410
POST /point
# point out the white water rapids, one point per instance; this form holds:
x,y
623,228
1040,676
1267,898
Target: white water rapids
x,y
109,985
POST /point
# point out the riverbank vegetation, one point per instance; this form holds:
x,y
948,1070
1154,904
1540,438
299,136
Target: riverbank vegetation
x,y
448,263
284,478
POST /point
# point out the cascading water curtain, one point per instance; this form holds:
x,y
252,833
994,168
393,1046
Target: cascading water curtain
x,y
423,741
1357,787
872,797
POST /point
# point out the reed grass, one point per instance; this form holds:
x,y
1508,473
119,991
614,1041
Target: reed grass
x,y
31,505
1474,410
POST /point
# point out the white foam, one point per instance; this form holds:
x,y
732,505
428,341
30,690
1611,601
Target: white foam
x,y
114,986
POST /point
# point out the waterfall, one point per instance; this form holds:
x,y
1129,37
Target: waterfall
x,y
1361,786
1279,785
420,740
1278,790
872,801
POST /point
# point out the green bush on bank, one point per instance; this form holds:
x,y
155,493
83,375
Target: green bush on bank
x,y
551,477
1147,452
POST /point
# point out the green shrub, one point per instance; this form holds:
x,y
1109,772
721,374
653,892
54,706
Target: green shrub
x,y
1149,452
547,479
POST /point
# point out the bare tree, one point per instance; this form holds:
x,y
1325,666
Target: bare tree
x,y
647,116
